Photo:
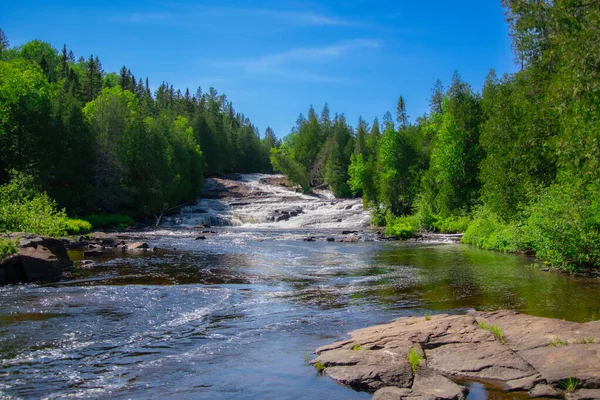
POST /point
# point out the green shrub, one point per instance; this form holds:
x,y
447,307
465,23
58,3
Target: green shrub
x,y
319,366
25,208
564,226
403,227
77,226
109,220
452,224
488,231
8,247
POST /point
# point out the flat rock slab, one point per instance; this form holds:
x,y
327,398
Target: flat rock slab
x,y
523,356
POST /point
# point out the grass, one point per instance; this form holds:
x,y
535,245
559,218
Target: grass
x,y
319,366
427,316
557,342
8,247
570,385
307,358
585,340
414,358
109,220
495,330
356,347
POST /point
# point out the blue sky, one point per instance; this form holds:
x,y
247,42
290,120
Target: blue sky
x,y
273,59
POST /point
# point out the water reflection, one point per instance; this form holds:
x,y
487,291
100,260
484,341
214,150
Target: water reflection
x,y
228,318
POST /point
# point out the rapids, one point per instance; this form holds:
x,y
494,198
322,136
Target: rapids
x,y
237,315
251,201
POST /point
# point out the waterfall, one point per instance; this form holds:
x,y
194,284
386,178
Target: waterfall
x,y
254,200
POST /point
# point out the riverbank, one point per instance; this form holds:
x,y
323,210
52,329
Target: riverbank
x,y
412,358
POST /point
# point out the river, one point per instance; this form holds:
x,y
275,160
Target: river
x,y
237,315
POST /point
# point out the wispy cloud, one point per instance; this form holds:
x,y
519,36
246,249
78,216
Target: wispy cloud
x,y
269,62
303,18
145,17
299,63
179,12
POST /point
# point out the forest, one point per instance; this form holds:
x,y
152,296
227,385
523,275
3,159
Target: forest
x,y
514,165
76,137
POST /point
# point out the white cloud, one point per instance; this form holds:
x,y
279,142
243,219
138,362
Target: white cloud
x,y
303,55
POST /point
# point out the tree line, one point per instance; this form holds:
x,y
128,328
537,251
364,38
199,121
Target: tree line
x,y
104,142
514,166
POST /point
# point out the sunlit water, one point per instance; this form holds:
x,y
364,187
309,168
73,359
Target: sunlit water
x,y
263,203
238,315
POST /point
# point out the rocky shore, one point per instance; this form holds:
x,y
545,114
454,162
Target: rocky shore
x,y
45,259
423,358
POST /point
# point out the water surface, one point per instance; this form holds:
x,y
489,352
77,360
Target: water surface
x,y
238,315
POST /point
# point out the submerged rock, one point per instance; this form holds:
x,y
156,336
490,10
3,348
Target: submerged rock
x,y
519,354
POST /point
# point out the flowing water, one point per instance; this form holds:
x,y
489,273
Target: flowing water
x,y
237,316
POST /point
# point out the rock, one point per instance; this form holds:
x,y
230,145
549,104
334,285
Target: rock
x,y
458,346
39,260
584,394
481,361
309,239
93,253
348,232
430,383
351,239
368,370
392,393
137,246
544,390
330,239
201,238
109,241
557,364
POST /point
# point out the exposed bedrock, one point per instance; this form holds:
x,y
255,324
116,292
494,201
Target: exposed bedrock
x,y
417,358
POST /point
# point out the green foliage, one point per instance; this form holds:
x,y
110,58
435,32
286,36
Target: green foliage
x,y
494,329
403,227
557,342
77,226
570,385
356,347
8,247
357,172
319,366
564,225
291,168
98,141
452,224
488,231
24,208
109,220
414,359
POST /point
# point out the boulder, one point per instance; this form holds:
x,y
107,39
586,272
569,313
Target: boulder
x,y
39,259
137,246
519,356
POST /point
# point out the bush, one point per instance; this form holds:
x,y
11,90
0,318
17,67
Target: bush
x,y
8,247
488,231
564,226
452,224
77,226
109,220
403,227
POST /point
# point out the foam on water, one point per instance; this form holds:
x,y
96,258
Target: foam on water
x,y
273,207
